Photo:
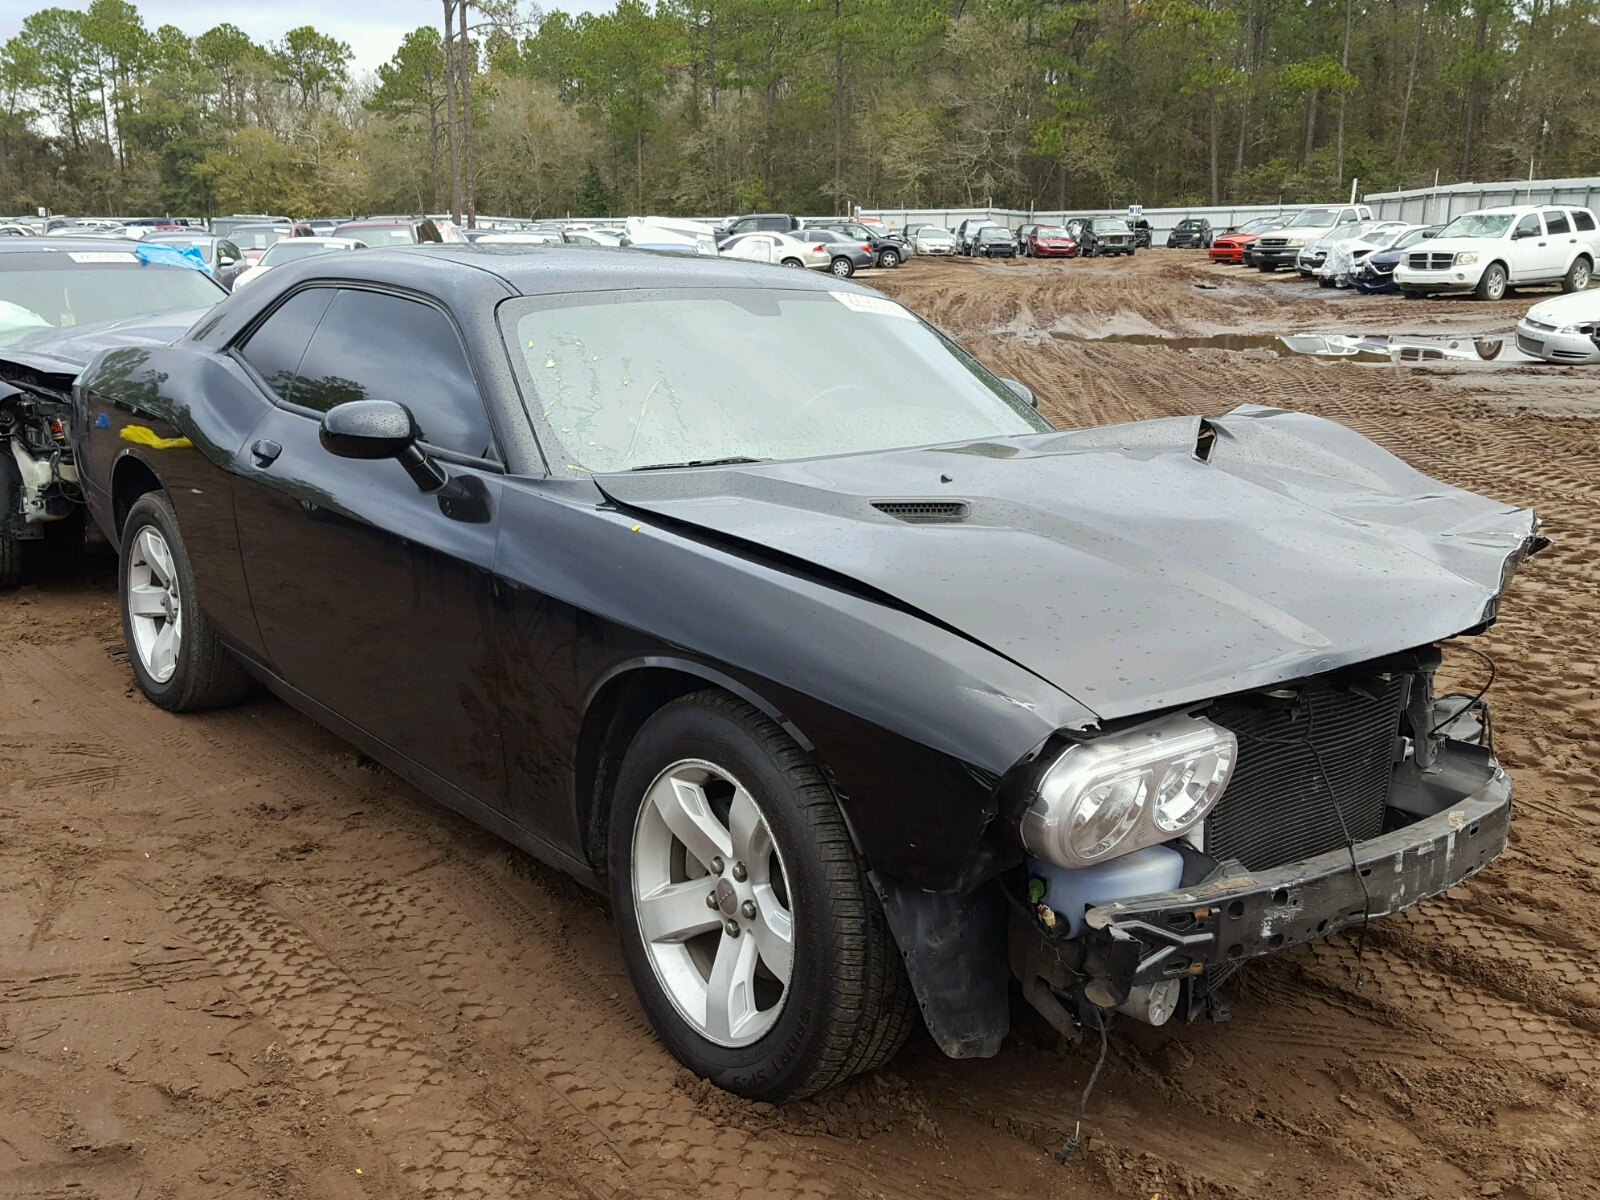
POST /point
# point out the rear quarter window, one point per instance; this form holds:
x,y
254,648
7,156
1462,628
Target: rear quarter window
x,y
1582,221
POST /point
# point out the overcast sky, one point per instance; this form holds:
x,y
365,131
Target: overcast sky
x,y
373,28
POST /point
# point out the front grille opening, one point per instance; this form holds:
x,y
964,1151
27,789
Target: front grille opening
x,y
1277,807
924,512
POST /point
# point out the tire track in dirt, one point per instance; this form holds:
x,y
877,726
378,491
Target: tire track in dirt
x,y
617,1100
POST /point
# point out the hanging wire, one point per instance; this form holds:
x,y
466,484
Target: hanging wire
x,y
1073,1142
1483,691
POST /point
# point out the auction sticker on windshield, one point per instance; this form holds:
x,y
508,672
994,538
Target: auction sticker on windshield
x,y
872,304
101,256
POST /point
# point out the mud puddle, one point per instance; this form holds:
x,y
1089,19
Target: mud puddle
x,y
1369,347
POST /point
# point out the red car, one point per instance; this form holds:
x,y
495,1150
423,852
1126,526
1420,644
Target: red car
x,y
1050,241
1229,247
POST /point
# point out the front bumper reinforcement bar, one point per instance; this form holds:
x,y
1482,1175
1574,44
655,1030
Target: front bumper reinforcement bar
x,y
1176,934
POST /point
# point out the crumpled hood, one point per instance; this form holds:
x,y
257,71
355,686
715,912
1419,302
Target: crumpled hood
x,y
1116,564
68,351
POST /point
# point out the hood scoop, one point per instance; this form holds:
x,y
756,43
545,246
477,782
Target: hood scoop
x,y
925,512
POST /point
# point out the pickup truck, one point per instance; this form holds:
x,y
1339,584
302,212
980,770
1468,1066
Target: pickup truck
x,y
1489,251
1281,247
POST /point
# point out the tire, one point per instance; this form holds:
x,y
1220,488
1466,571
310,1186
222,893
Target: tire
x,y
1492,285
191,670
842,267
1325,281
10,563
1267,268
1579,275
793,262
1413,294
889,259
846,1004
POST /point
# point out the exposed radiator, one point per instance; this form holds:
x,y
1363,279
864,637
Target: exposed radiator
x,y
1277,809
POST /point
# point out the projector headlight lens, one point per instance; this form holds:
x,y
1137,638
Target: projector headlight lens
x,y
1145,785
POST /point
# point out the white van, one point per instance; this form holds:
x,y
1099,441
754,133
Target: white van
x,y
1486,252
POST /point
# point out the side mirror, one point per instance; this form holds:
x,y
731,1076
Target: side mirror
x,y
1022,391
373,429
1523,233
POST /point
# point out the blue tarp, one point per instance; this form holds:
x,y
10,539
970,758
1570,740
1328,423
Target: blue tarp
x,y
172,256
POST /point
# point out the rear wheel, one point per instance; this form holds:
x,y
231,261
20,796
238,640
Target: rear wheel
x,y
1578,275
842,267
889,258
755,943
793,262
1493,284
178,661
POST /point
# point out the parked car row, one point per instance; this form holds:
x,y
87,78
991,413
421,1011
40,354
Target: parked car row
x,y
1484,254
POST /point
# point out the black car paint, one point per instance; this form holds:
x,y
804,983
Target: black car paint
x,y
524,611
498,654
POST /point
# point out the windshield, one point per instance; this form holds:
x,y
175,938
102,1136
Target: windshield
x,y
294,249
1110,225
1478,225
629,380
1311,218
1050,231
257,237
56,298
380,235
993,233
1410,238
934,231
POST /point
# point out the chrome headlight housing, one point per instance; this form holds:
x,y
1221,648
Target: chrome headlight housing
x,y
1129,790
1466,258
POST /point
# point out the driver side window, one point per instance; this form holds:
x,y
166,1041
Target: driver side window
x,y
1529,226
374,346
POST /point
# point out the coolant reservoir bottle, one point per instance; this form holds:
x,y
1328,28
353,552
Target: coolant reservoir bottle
x,y
1069,891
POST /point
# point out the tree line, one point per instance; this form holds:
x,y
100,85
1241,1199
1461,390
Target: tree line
x,y
718,106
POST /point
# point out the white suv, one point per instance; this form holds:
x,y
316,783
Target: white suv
x,y
1488,251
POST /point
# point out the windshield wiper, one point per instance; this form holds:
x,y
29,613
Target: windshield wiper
x,y
698,462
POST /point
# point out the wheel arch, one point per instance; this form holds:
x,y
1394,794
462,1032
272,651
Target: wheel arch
x,y
617,707
131,477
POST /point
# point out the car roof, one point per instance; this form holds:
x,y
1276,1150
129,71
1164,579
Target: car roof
x,y
468,276
40,245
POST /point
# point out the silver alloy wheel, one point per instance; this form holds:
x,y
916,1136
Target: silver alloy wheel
x,y
155,604
712,901
1580,276
842,268
1496,285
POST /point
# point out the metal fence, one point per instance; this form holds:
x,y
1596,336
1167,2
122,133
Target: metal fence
x,y
1421,206
1430,206
1161,220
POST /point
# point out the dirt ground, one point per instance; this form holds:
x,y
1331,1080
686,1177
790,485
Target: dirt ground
x,y
236,959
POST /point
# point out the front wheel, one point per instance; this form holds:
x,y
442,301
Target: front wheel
x,y
1578,275
754,941
1493,284
178,661
1267,268
842,267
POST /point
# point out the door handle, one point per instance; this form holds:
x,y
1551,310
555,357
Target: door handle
x,y
265,453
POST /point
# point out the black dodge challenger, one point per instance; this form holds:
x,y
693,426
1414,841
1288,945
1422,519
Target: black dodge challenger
x,y
858,686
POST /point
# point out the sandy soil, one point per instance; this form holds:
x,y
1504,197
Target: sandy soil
x,y
236,959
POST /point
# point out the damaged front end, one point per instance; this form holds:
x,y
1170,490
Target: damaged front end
x,y
1343,797
38,479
